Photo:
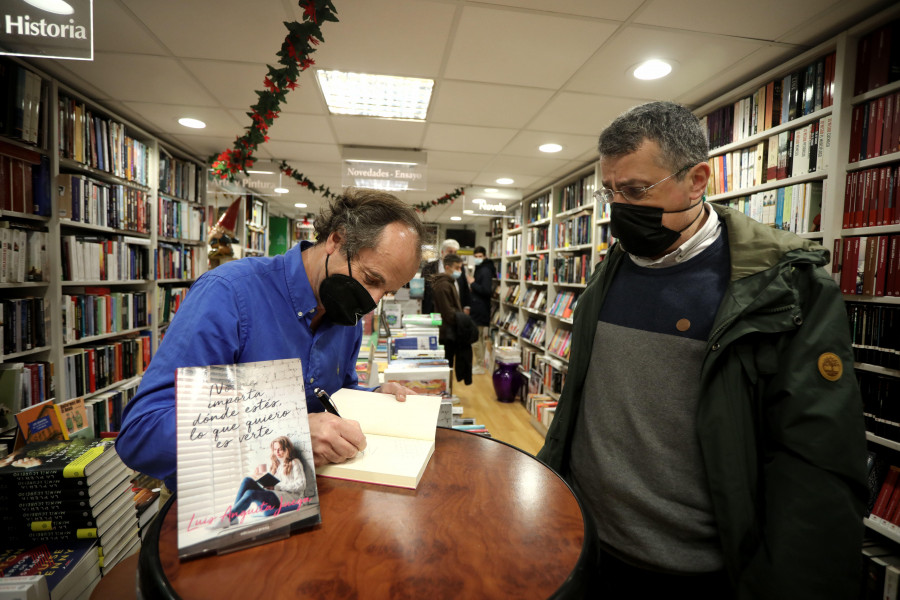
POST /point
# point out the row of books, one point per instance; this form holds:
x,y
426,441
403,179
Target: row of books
x,y
512,294
256,240
542,408
530,358
800,93
564,304
99,258
86,200
23,384
872,197
875,333
179,262
23,254
178,178
513,269
535,299
554,375
509,322
878,58
576,194
574,232
496,248
796,208
572,269
497,226
534,330
870,265
24,181
875,128
98,311
514,244
98,366
538,209
536,268
21,102
788,154
24,323
880,407
604,238
105,409
182,220
559,343
538,238
170,299
101,143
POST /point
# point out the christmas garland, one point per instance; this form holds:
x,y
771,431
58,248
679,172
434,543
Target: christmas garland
x,y
446,198
303,180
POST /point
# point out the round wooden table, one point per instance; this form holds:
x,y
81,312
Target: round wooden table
x,y
487,521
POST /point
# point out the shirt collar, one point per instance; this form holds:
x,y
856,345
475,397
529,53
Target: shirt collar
x,y
697,243
302,296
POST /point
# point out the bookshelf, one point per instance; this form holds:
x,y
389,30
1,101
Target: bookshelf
x,y
112,225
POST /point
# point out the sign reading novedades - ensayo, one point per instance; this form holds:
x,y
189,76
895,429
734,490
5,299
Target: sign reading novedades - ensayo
x,y
47,28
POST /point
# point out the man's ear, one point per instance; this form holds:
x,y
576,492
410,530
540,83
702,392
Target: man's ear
x,y
699,178
334,242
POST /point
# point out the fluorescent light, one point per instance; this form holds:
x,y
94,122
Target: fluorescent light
x,y
505,181
456,218
490,190
549,148
55,6
192,123
380,162
262,172
468,212
299,205
281,190
375,95
652,69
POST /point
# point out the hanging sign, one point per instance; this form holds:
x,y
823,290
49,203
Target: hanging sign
x,y
48,28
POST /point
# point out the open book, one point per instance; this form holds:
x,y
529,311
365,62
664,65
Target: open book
x,y
399,436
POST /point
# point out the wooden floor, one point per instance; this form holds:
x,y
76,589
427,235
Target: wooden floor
x,y
507,422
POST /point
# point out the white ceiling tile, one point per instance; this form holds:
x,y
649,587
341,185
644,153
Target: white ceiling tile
x,y
301,153
387,133
617,11
164,117
438,179
519,48
466,103
468,161
534,166
116,29
588,114
827,23
204,146
459,138
526,143
289,127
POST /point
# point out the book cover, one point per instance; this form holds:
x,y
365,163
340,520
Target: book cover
x,y
399,436
235,423
62,564
40,423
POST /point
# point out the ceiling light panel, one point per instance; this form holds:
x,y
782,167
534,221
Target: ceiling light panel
x,y
375,95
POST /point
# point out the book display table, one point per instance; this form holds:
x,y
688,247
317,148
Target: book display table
x,y
486,521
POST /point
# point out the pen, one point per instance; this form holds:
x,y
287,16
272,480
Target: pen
x,y
326,401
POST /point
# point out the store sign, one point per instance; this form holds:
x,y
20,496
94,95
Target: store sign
x,y
381,175
48,28
489,202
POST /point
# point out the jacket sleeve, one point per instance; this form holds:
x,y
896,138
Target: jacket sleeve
x,y
204,331
812,456
482,286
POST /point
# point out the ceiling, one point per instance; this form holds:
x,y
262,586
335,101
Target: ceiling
x,y
509,75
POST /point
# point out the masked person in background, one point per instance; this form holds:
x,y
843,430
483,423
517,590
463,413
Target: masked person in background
x,y
304,304
710,420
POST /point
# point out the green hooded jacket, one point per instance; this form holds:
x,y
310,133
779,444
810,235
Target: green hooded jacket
x,y
779,418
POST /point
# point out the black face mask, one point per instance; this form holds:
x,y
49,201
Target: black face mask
x,y
640,228
344,298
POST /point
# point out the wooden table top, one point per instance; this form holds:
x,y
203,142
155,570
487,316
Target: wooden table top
x,y
487,521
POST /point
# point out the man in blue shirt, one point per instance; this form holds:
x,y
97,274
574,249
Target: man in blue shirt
x,y
299,305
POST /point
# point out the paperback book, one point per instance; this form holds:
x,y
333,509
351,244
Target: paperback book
x,y
245,462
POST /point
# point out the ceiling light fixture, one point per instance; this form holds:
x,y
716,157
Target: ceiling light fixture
x,y
299,205
468,212
280,189
456,218
262,172
652,69
192,123
55,6
549,148
505,181
375,95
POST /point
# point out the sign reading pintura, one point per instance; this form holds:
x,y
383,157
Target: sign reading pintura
x,y
47,28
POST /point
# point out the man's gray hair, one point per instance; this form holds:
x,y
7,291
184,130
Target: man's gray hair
x,y
680,136
450,244
360,216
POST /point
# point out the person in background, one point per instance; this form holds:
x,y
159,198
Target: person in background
x,y
458,331
436,266
710,420
482,289
298,305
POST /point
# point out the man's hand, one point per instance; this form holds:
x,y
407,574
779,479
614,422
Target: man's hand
x,y
392,387
334,440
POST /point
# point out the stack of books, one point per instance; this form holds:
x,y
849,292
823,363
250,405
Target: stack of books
x,y
52,570
65,491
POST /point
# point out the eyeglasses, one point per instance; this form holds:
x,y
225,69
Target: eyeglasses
x,y
632,193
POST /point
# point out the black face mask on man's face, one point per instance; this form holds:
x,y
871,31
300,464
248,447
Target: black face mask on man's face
x,y
640,228
345,300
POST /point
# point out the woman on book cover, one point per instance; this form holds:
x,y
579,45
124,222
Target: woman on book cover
x,y
285,495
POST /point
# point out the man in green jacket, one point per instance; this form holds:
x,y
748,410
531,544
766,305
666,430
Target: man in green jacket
x,y
710,422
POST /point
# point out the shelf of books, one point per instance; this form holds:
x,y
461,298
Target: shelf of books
x,y
81,306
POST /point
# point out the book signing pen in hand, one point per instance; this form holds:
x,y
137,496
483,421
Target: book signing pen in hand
x,y
326,401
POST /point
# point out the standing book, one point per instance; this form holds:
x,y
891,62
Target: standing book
x,y
399,437
236,424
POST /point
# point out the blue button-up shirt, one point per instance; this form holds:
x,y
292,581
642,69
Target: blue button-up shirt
x,y
243,311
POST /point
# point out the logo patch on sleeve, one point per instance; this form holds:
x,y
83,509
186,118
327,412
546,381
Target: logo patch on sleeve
x,y
830,366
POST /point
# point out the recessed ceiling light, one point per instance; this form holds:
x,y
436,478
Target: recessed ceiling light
x,y
192,123
549,148
299,205
281,190
505,181
456,218
262,172
652,69
375,95
55,6
468,212
490,190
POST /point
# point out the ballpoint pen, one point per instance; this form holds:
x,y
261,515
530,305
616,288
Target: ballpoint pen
x,y
326,401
